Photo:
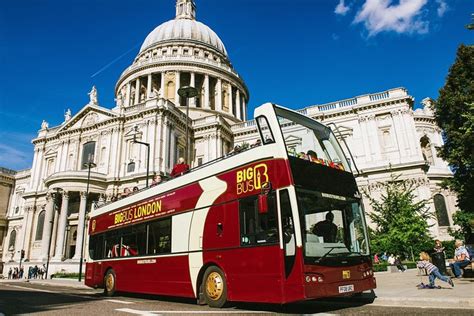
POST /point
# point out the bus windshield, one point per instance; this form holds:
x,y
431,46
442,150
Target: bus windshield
x,y
332,226
310,140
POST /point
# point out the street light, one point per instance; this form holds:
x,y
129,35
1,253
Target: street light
x,y
89,164
147,153
187,92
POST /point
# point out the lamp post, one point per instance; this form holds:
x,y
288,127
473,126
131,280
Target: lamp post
x,y
89,164
187,92
147,153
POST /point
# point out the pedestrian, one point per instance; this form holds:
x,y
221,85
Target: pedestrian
x,y
180,168
438,257
21,273
376,259
461,259
384,256
432,271
35,272
10,273
391,260
398,263
30,272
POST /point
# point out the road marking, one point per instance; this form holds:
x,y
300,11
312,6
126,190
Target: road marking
x,y
154,313
121,302
30,288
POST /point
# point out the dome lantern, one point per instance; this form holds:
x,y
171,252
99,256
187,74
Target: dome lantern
x,y
185,9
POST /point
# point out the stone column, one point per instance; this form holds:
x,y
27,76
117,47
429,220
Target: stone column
x,y
218,98
231,103
48,223
177,85
128,98
62,227
137,91
244,110
192,83
148,87
80,225
206,92
237,105
162,87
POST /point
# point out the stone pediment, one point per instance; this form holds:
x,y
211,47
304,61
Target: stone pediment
x,y
87,117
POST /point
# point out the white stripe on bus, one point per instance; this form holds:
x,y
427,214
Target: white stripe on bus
x,y
212,189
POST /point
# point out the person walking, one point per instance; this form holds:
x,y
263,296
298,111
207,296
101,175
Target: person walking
x,y
461,259
10,273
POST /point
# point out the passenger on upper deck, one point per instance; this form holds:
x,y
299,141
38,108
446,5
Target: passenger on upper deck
x,y
156,180
180,168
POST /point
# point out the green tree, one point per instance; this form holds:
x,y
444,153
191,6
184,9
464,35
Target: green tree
x,y
401,222
454,112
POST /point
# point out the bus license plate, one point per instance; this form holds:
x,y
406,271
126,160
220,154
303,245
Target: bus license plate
x,y
346,288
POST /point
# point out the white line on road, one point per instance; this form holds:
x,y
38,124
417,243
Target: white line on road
x,y
30,288
121,302
149,313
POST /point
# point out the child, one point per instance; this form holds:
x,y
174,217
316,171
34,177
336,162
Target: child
x,y
432,270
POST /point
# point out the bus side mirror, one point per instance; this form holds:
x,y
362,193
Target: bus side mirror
x,y
262,204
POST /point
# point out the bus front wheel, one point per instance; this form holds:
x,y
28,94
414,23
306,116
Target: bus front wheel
x,y
214,287
109,283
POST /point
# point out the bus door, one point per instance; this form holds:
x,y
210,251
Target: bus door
x,y
256,272
291,283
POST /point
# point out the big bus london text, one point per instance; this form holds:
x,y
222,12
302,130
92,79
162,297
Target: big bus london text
x,y
277,223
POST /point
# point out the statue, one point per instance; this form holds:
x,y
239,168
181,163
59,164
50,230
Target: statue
x,y
44,125
93,96
119,99
67,115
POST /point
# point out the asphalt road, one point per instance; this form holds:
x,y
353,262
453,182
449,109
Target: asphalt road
x,y
24,298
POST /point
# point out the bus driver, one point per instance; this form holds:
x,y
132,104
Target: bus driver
x,y
326,229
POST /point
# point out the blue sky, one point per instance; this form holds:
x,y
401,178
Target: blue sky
x,y
292,52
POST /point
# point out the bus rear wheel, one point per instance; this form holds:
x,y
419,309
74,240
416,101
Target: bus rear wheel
x,y
214,287
110,281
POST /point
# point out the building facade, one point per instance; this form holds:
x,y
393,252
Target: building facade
x,y
49,203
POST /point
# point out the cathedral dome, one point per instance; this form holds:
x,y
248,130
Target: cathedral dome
x,y
184,27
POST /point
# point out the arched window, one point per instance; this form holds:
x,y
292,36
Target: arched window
x,y
88,151
426,150
12,241
39,226
441,211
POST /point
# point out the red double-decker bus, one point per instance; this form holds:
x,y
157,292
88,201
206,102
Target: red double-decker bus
x,y
278,222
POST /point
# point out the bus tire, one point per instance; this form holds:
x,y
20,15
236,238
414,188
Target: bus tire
x,y
214,286
110,281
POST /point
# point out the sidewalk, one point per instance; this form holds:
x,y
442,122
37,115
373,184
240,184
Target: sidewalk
x,y
399,289
72,283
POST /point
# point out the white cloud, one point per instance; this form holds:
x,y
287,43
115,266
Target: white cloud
x,y
442,8
341,8
382,15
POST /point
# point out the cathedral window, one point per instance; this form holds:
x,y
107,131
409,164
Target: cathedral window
x,y
131,167
175,52
39,226
12,241
441,211
185,52
88,151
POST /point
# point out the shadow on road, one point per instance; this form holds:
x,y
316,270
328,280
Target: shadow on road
x,y
13,302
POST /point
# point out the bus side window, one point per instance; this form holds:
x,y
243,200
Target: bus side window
x,y
112,244
257,228
159,237
96,247
141,232
129,244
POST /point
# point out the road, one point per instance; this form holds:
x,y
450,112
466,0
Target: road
x,y
25,298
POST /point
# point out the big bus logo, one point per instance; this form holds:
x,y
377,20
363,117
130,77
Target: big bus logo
x,y
251,179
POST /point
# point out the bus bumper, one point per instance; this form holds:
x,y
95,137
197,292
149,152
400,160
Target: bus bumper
x,y
342,288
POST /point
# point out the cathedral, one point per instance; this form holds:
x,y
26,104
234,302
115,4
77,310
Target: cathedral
x,y
104,149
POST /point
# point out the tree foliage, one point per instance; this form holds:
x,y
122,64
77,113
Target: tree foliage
x,y
401,222
454,112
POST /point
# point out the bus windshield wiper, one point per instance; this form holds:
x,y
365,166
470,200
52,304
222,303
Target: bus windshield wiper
x,y
329,251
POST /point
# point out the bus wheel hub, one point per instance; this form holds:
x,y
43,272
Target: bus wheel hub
x,y
214,285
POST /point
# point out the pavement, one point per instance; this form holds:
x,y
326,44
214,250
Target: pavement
x,y
393,289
